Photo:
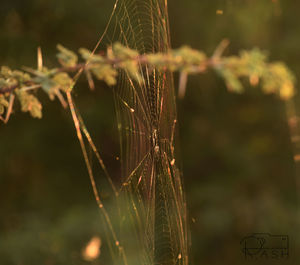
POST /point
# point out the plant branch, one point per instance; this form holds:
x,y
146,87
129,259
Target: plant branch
x,y
252,65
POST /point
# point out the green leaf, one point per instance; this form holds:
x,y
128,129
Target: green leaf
x,y
47,84
3,83
66,57
64,81
20,76
232,82
105,72
5,72
187,59
87,55
249,63
2,109
122,52
279,79
29,103
3,104
128,58
131,67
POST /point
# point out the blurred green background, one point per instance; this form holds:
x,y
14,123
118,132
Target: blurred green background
x,y
235,149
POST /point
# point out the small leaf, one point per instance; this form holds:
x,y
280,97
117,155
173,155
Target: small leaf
x,y
47,84
87,55
66,57
122,52
106,73
2,109
131,67
232,82
64,81
29,103
3,83
187,59
3,104
287,91
20,76
5,72
279,79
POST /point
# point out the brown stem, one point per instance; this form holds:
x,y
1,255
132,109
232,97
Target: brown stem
x,y
141,59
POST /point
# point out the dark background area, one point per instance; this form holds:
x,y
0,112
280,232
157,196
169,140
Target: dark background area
x,y
235,149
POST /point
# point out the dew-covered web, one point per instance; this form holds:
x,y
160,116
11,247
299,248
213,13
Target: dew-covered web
x,y
151,214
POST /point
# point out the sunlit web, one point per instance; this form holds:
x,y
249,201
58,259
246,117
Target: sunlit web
x,y
151,215
151,205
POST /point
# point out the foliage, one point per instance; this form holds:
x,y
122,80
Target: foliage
x,y
253,65
237,157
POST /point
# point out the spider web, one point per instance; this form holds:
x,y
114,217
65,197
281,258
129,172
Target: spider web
x,y
151,211
146,114
150,205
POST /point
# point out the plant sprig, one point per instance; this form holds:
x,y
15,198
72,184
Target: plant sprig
x,y
274,77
